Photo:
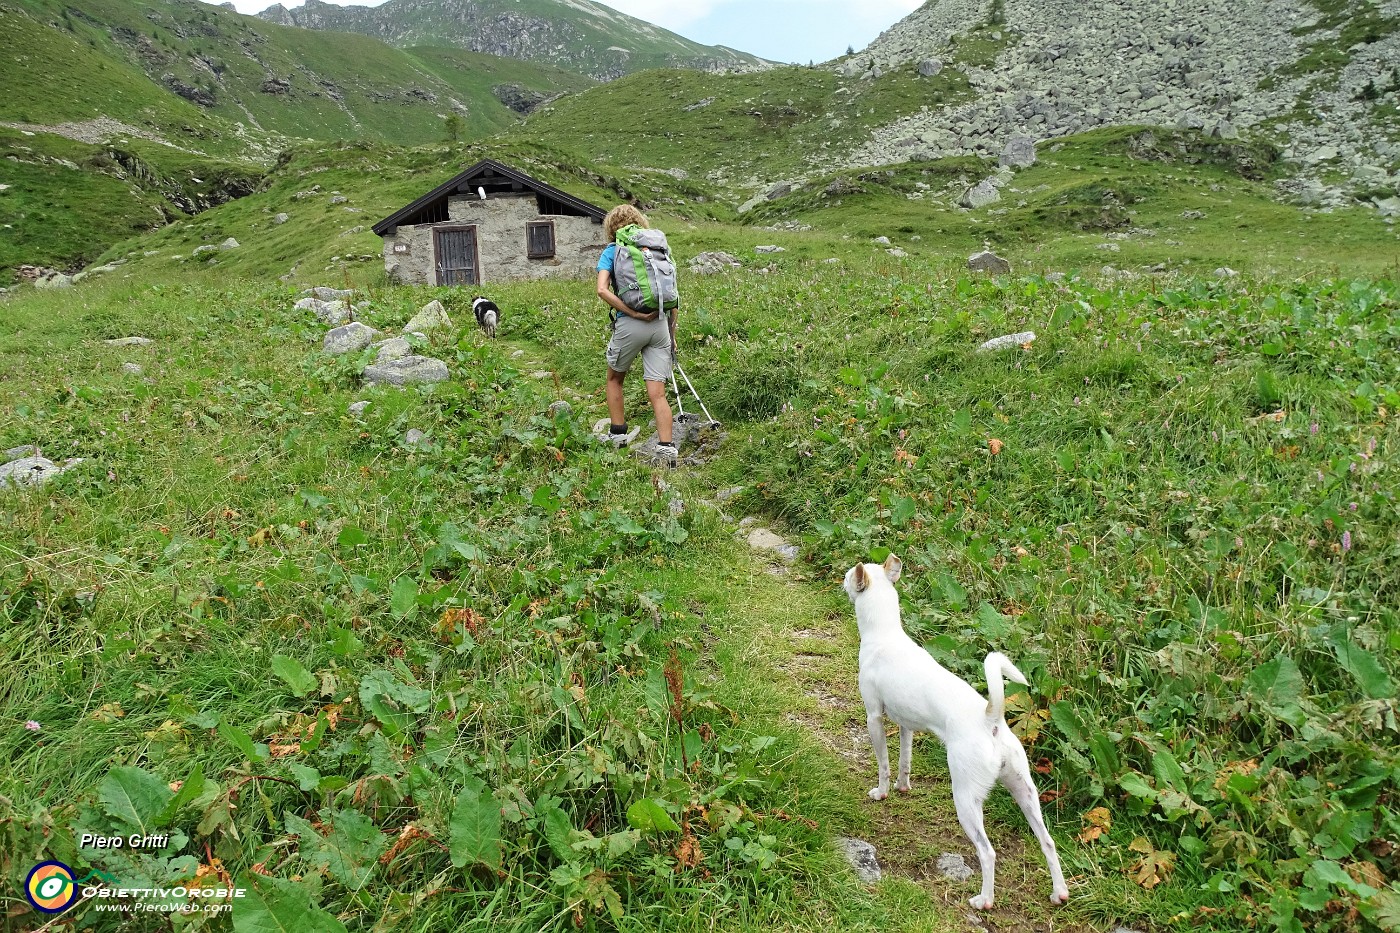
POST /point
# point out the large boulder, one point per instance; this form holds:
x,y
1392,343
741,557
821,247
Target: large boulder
x,y
712,262
433,316
32,471
980,195
395,348
1019,152
333,313
406,371
349,338
988,261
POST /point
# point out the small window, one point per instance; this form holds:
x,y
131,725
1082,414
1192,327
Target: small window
x,y
539,239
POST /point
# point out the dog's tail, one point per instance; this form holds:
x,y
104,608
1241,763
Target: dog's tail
x,y
997,666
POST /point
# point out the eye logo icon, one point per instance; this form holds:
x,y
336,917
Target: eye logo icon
x,y
50,887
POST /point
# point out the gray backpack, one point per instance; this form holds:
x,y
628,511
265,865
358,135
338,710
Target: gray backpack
x,y
644,274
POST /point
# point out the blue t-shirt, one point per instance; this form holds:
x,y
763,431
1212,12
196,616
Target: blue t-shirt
x,y
605,261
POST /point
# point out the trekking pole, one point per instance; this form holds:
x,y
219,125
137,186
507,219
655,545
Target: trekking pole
x,y
680,403
708,417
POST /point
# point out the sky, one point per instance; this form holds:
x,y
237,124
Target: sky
x,y
782,30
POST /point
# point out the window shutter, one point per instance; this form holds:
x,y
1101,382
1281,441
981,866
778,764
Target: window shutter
x,y
539,239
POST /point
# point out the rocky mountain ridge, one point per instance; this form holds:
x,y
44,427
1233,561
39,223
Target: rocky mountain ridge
x,y
579,35
1316,79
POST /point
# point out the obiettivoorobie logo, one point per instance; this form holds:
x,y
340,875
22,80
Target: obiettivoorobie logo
x,y
50,887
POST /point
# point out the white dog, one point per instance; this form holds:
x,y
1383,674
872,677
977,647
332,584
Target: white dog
x,y
900,681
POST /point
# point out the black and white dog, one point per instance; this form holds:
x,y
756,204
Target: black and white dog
x,y
487,314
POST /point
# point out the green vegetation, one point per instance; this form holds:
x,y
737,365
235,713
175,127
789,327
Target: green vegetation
x,y
790,120
132,61
509,687
68,201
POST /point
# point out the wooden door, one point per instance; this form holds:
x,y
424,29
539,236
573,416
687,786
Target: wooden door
x,y
457,260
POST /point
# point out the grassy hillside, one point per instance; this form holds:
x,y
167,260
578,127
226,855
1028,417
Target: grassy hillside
x,y
737,131
67,202
583,36
500,682
274,80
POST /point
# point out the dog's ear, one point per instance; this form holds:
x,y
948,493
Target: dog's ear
x,y
893,567
862,578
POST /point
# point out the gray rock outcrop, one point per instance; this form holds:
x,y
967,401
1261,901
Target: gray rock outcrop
x,y
349,338
32,471
432,317
988,261
861,856
407,371
980,195
711,262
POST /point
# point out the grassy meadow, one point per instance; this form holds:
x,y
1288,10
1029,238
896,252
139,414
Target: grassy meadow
x,y
511,680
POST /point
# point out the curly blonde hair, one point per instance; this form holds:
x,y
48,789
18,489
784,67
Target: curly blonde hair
x,y
621,216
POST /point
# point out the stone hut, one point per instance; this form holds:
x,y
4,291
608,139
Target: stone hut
x,y
489,224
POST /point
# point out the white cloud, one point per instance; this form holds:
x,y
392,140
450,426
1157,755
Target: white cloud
x,y
678,14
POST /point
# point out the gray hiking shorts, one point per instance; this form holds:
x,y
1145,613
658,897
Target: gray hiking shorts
x,y
651,339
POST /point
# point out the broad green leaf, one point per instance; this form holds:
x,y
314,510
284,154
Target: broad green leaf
x,y
648,816
348,851
273,905
619,844
293,674
1279,685
403,596
1168,771
902,509
253,751
308,779
1137,785
1063,715
1363,667
393,702
556,832
350,536
134,797
474,833
191,788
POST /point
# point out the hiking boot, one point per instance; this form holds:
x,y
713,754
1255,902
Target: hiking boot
x,y
666,454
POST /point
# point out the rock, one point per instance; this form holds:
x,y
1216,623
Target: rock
x,y
954,866
764,539
601,432
349,338
1123,929
19,453
132,369
988,261
1019,152
326,293
769,249
541,374
559,409
230,243
409,370
980,195
930,67
1321,154
896,252
433,316
357,409
206,248
699,104
1389,207
882,241
57,280
727,493
1225,272
1193,215
861,855
339,199
32,471
280,219
712,262
1007,342
779,190
416,439
333,313
395,348
128,342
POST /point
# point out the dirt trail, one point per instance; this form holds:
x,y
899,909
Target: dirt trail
x,y
805,643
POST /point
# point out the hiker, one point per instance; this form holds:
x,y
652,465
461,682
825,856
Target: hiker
x,y
650,333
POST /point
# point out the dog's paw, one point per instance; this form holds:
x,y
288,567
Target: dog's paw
x,y
877,794
1059,897
980,903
